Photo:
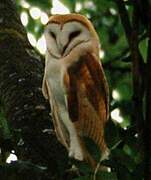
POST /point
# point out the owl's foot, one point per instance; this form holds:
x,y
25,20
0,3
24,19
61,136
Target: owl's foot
x,y
75,151
105,155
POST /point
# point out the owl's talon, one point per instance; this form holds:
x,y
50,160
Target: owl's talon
x,y
70,154
105,155
76,153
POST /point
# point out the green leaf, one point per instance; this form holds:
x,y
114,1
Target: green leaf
x,y
106,176
123,159
143,48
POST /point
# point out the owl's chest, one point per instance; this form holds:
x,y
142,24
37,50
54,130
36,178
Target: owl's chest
x,y
54,79
53,70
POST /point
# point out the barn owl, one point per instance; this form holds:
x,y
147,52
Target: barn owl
x,y
75,84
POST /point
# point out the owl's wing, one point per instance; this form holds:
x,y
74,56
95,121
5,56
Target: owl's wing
x,y
87,98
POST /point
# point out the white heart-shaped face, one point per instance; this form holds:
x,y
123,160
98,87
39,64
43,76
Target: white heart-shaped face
x,y
62,39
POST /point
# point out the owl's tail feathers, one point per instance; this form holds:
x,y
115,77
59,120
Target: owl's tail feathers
x,y
92,162
96,166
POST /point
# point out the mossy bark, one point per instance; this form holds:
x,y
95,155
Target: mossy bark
x,y
27,113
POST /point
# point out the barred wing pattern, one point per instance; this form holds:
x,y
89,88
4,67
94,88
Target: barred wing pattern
x,y
87,98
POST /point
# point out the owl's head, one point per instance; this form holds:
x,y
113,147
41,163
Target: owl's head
x,y
64,33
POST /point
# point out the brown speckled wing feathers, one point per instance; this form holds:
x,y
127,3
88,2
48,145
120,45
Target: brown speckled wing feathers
x,y
87,98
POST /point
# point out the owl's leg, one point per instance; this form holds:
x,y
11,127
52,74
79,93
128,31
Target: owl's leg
x,y
75,149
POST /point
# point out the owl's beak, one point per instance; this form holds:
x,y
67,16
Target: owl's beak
x,y
62,48
62,44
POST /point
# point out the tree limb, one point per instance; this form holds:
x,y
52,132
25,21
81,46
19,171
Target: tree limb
x,y
131,31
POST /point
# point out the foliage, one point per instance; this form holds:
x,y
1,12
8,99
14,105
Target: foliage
x,y
122,133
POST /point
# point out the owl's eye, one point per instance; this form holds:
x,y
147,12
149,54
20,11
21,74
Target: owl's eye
x,y
52,34
74,34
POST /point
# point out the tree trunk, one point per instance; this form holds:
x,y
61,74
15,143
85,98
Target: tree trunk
x,y
27,113
141,72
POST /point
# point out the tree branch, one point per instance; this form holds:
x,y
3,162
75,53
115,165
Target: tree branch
x,y
141,80
124,19
131,32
